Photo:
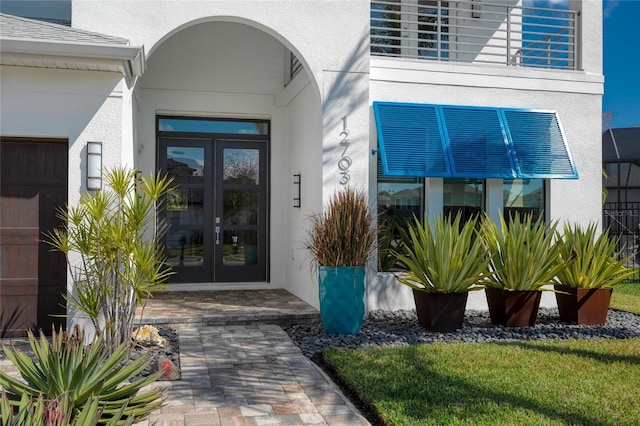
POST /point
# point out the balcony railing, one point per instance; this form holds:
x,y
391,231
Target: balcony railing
x,y
475,31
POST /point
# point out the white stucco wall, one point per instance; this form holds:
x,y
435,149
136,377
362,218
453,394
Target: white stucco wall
x,y
225,59
575,95
304,123
80,106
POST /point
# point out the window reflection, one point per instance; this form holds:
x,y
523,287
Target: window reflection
x,y
523,196
185,248
399,200
185,164
240,248
241,166
185,206
185,125
464,196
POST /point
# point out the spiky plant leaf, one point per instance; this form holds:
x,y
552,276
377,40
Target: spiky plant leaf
x,y
590,260
445,257
523,253
73,376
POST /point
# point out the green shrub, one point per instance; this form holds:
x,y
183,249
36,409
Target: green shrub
x,y
110,242
445,257
523,254
68,380
590,261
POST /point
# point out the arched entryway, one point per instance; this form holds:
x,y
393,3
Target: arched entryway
x,y
223,108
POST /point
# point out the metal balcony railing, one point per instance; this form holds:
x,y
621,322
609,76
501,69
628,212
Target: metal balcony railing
x,y
475,31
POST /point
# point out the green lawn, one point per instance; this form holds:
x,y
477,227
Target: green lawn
x,y
626,297
518,383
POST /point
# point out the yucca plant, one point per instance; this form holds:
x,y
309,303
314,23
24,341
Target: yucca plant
x,y
445,257
111,245
70,376
344,235
590,260
41,412
522,253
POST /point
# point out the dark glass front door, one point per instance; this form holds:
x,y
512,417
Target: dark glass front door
x,y
216,217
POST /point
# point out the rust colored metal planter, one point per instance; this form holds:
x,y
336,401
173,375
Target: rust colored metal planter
x,y
585,306
442,312
513,308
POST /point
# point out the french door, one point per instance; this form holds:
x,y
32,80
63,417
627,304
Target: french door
x,y
215,218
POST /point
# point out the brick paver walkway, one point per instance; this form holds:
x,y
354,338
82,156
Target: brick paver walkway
x,y
238,366
249,375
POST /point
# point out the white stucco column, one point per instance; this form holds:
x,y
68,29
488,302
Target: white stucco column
x,y
433,197
345,154
493,198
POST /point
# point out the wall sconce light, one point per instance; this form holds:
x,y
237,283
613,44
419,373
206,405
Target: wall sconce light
x,y
94,166
297,183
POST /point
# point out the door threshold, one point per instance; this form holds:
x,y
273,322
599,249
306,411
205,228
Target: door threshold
x,y
221,286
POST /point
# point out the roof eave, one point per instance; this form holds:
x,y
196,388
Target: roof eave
x,y
132,56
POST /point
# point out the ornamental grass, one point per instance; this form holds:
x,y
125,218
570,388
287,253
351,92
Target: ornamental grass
x,y
344,235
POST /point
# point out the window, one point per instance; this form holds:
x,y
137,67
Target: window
x,y
523,196
205,125
399,200
419,28
464,196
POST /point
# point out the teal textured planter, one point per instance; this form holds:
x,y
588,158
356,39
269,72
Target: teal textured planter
x,y
341,291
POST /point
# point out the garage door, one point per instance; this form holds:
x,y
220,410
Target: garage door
x,y
33,185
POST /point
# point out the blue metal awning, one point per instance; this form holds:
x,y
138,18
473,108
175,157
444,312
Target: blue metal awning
x,y
424,140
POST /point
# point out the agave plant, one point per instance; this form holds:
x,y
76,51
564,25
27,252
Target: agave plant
x,y
41,412
445,257
71,376
523,253
590,260
344,235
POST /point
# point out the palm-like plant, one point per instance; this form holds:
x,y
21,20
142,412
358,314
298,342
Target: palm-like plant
x,y
445,257
590,260
70,376
110,242
523,253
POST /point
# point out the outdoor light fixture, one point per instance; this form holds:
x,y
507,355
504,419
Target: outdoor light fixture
x,y
296,190
94,166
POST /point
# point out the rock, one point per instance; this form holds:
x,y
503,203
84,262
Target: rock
x,y
148,336
169,370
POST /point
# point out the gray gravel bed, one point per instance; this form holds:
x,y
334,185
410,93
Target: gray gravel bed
x,y
401,328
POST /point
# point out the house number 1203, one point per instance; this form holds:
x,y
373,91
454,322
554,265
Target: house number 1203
x,y
345,161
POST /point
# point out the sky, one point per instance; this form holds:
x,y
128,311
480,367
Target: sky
x,y
622,62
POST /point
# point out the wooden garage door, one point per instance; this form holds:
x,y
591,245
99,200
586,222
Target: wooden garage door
x,y
33,184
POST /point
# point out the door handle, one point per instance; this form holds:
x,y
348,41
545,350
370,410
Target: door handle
x,y
218,230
